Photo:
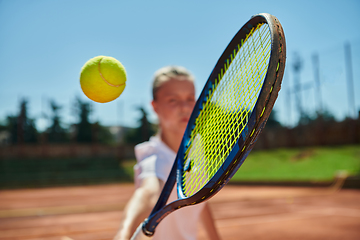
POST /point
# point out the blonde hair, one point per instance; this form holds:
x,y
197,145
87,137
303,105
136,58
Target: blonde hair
x,y
167,73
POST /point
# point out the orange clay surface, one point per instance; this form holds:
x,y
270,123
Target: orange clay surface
x,y
240,212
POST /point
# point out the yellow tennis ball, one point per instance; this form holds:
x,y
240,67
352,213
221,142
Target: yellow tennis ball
x,y
103,79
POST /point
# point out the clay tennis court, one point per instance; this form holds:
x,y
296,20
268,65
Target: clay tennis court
x,y
241,212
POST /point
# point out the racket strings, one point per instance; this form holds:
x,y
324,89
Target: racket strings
x,y
216,166
229,144
227,108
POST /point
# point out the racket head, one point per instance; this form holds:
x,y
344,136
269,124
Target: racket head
x,y
246,120
232,109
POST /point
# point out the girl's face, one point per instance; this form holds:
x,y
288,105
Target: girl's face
x,y
175,100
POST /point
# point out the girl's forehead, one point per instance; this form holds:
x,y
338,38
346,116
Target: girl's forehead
x,y
176,86
175,83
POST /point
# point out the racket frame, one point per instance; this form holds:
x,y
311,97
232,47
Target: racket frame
x,y
244,144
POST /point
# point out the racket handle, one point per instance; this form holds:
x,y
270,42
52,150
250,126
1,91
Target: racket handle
x,y
139,234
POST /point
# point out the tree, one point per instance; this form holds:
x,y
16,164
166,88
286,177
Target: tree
x,y
272,121
21,127
56,133
305,119
83,127
143,132
325,116
102,134
3,126
86,131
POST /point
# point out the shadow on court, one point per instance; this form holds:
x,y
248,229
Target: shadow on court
x,y
241,212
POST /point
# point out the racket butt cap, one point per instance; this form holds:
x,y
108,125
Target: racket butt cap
x,y
145,231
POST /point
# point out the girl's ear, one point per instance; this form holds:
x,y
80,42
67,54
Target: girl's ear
x,y
155,107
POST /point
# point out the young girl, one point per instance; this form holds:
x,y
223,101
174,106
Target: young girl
x,y
173,101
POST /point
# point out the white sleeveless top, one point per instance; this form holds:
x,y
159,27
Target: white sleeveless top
x,y
155,158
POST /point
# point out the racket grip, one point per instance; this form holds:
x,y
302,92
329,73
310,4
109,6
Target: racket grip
x,y
139,234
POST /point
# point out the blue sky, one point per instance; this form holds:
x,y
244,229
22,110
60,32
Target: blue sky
x,y
44,44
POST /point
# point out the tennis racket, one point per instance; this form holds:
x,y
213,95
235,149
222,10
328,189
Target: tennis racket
x,y
228,117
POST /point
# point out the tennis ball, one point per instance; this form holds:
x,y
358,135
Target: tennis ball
x,y
103,79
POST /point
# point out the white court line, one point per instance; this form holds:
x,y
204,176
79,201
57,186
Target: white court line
x,y
289,216
346,212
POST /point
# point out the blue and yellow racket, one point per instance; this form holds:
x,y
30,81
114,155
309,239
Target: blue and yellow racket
x,y
228,116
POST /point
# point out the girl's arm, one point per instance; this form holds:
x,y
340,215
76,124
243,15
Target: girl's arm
x,y
139,207
208,223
